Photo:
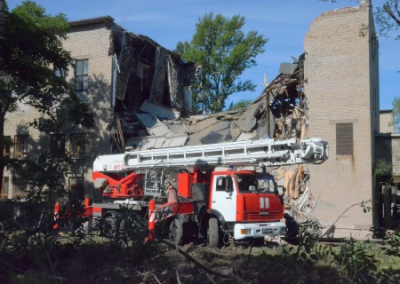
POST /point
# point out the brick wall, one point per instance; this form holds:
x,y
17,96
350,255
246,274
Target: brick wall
x,y
87,41
341,73
92,42
386,122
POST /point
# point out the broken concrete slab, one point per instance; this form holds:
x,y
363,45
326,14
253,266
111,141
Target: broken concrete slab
x,y
203,124
175,141
248,120
142,143
245,136
287,68
153,125
161,111
217,133
178,127
156,142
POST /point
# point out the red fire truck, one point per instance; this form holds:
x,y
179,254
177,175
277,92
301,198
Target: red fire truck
x,y
218,192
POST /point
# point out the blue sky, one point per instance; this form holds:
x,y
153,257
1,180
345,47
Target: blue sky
x,y
283,22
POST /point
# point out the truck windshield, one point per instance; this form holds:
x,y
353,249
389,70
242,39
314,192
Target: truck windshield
x,y
256,183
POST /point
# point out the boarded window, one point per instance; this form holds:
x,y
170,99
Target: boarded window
x,y
344,139
20,146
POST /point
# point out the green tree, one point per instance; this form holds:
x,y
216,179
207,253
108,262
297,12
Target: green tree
x,y
33,65
240,104
224,52
388,19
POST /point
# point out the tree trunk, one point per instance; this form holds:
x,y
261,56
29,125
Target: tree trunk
x,y
2,144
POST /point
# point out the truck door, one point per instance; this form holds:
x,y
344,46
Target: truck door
x,y
224,197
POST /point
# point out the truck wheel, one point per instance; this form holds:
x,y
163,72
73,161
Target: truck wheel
x,y
122,231
108,229
213,233
176,232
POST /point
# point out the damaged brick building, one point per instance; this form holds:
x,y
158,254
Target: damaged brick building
x,y
116,72
141,95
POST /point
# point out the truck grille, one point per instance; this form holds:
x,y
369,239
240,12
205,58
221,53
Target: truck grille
x,y
256,216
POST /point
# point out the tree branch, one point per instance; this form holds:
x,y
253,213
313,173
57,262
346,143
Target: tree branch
x,y
189,257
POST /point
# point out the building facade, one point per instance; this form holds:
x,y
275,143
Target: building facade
x,y
342,84
386,121
120,74
114,72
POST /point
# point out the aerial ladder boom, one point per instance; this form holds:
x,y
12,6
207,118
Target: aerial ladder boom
x,y
267,152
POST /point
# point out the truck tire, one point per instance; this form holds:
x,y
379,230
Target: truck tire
x,y
110,225
176,232
213,233
108,228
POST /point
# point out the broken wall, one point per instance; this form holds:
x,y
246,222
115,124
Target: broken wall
x,y
144,72
161,74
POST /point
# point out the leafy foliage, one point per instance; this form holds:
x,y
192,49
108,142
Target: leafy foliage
x,y
30,54
383,168
240,104
31,251
31,50
224,52
388,17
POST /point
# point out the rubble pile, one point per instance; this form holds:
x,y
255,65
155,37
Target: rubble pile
x,y
280,112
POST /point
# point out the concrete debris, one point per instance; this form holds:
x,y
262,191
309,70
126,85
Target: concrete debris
x,y
287,68
153,125
147,78
155,142
280,112
153,106
158,110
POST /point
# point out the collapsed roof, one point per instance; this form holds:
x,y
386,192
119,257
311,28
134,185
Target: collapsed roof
x,y
280,112
144,72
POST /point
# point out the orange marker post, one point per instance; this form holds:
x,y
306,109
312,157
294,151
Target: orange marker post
x,y
152,219
56,214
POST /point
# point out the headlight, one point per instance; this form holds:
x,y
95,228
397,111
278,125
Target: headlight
x,y
245,231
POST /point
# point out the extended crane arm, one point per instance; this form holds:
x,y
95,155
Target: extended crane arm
x,y
268,152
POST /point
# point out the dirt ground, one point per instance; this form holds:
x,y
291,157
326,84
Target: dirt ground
x,y
198,263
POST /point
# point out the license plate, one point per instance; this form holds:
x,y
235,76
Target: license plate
x,y
266,231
